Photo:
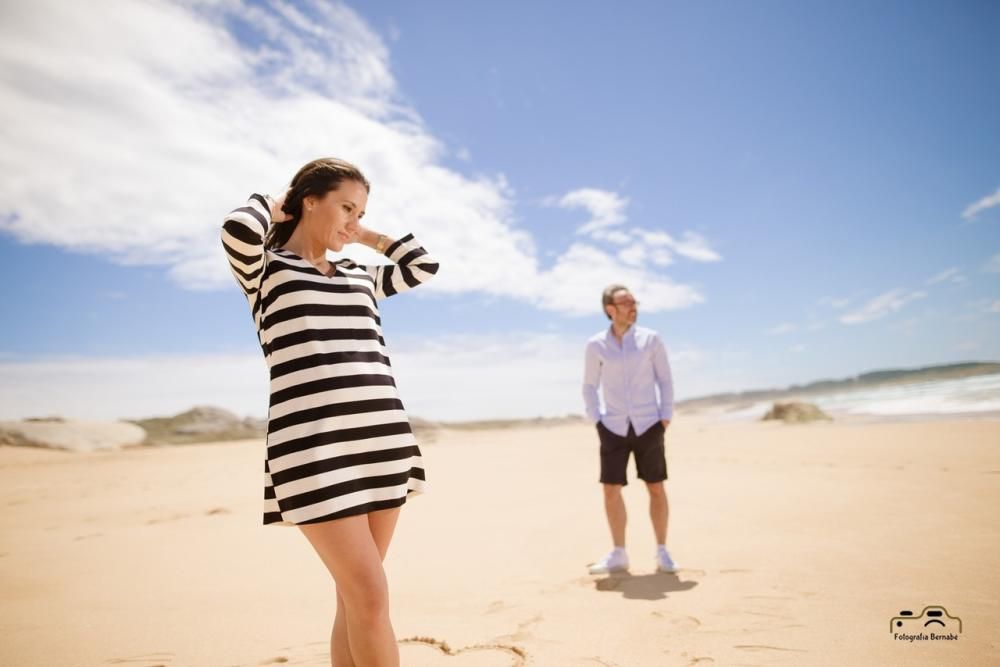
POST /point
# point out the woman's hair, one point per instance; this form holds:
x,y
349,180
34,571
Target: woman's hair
x,y
315,178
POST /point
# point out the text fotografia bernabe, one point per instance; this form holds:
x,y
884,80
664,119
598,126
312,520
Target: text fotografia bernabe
x,y
933,624
923,637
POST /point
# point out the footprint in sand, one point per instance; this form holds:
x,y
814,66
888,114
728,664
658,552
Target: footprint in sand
x,y
765,647
145,660
429,652
600,661
522,633
497,606
313,653
178,517
697,659
685,623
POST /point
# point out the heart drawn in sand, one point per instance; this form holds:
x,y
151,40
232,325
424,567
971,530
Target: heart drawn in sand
x,y
517,655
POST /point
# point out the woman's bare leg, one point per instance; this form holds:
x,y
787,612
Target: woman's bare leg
x,y
381,524
340,645
348,549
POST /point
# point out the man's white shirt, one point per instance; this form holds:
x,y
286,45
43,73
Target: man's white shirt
x,y
630,374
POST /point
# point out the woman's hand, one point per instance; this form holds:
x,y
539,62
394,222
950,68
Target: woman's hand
x,y
365,236
277,215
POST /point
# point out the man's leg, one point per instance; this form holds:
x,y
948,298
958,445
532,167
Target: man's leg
x,y
659,510
614,459
614,507
651,461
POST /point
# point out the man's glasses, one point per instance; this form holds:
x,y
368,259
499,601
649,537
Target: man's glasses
x,y
628,304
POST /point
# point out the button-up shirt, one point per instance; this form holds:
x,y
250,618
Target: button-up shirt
x,y
629,373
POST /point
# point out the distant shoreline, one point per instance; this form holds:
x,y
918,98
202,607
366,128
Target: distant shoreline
x,y
870,380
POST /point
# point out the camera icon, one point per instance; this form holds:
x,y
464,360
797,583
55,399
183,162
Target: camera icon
x,y
932,618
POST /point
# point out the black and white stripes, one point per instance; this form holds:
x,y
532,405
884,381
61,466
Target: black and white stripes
x,y
338,442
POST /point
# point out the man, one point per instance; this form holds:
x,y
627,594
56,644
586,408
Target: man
x,y
629,363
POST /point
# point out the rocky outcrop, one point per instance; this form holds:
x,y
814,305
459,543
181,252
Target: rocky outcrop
x,y
201,424
71,434
795,413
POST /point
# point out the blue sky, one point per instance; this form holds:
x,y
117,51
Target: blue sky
x,y
793,190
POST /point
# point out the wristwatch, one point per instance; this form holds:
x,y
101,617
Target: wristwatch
x,y
381,243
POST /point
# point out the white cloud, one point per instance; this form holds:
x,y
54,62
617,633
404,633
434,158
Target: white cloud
x,y
882,305
989,201
607,216
835,302
615,236
695,247
781,329
633,255
661,257
607,209
985,306
797,348
993,264
575,283
952,275
129,132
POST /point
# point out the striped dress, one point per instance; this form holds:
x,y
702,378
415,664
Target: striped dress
x,y
338,440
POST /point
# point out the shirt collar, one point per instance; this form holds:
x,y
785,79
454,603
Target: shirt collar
x,y
630,333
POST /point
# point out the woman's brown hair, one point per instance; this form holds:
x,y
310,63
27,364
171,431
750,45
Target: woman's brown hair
x,y
315,178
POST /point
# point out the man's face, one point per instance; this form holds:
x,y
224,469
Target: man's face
x,y
623,308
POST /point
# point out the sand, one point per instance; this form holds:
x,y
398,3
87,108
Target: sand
x,y
798,544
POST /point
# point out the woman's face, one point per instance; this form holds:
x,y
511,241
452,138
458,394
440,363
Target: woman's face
x,y
337,214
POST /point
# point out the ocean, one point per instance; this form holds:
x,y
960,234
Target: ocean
x,y
966,397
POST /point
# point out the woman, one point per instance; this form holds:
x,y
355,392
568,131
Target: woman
x,y
341,458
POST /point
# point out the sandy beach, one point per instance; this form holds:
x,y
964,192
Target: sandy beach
x,y
798,545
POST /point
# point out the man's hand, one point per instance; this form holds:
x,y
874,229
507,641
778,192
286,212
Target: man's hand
x,y
666,423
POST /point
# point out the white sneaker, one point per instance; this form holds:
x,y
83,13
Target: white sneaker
x,y
616,561
664,563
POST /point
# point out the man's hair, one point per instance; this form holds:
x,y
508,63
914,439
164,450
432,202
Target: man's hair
x,y
608,295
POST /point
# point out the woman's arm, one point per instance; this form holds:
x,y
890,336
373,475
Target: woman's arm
x,y
412,265
243,234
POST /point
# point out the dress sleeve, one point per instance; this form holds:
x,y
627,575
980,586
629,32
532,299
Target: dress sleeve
x,y
411,266
243,239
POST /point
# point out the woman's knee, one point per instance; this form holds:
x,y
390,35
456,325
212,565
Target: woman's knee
x,y
367,597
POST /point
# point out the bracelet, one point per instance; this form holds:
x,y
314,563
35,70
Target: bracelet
x,y
380,243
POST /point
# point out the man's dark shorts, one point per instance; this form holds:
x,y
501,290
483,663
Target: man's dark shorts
x,y
650,457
